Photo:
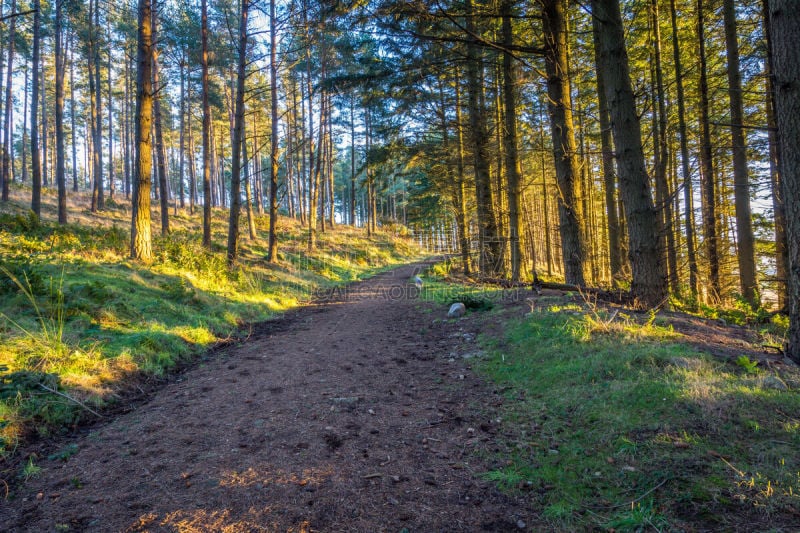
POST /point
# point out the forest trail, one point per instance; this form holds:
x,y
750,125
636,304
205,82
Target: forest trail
x,y
347,415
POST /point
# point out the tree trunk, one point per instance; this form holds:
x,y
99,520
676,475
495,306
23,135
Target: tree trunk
x,y
161,156
141,237
778,204
649,284
43,91
112,188
126,132
490,245
707,167
785,34
741,180
688,196
25,128
237,139
513,171
272,253
9,124
72,116
248,188
662,157
36,169
206,130
61,178
609,175
352,163
573,246
461,216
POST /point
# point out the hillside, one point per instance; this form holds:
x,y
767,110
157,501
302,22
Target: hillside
x,y
80,323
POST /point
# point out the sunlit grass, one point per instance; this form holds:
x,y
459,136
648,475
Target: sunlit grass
x,y
615,422
77,309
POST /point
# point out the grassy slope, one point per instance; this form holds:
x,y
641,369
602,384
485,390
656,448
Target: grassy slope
x,y
616,424
80,317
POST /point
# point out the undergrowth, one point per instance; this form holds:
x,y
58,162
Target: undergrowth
x,y
614,422
78,319
622,426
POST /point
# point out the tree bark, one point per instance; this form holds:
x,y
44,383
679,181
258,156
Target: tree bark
x,y
778,207
206,129
710,235
513,171
36,168
688,196
141,236
112,188
649,284
8,124
489,243
461,217
662,157
785,34
61,178
609,175
238,136
72,116
161,156
563,134
741,180
272,253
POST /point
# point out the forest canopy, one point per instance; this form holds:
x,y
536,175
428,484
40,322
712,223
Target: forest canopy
x,y
645,146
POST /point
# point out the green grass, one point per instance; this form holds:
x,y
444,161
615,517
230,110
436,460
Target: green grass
x,y
79,317
615,423
615,429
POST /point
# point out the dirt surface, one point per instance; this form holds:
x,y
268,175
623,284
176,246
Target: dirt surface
x,y
356,414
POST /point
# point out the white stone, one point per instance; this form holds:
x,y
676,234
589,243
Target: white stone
x,y
457,310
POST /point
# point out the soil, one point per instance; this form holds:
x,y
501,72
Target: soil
x,y
358,413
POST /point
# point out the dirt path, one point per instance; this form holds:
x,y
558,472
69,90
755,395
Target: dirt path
x,y
345,416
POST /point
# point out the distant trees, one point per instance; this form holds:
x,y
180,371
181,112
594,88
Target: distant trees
x,y
516,133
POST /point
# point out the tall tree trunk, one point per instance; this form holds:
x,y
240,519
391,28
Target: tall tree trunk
x,y
573,246
609,175
61,177
490,245
43,91
710,234
688,197
238,137
141,236
25,129
545,203
461,211
778,204
513,171
649,284
161,156
112,188
272,254
662,157
36,169
180,193
98,200
72,116
741,180
206,130
352,162
785,34
248,189
126,132
8,123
